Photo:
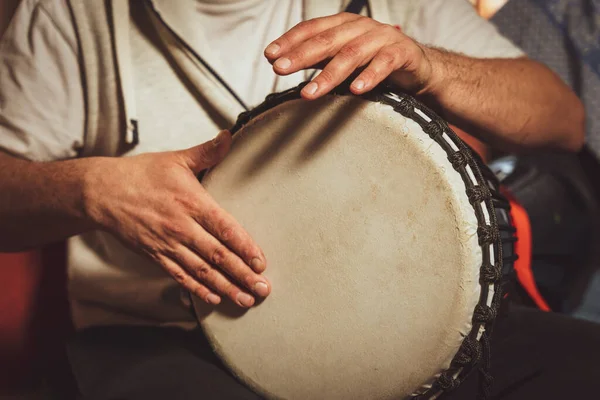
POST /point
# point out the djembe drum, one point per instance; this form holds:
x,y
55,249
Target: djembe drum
x,y
384,237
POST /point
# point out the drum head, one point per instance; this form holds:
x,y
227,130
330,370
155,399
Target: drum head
x,y
372,251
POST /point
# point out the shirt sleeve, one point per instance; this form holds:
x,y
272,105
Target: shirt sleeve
x,y
455,25
41,94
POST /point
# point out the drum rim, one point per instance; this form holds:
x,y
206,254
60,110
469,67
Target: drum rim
x,y
474,348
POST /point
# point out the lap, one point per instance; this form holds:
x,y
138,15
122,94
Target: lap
x,y
149,363
541,355
534,355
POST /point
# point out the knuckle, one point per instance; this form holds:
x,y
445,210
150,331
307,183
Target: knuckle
x,y
226,288
367,21
388,58
248,280
174,228
327,76
284,40
324,39
231,291
298,55
247,252
305,24
350,51
214,213
213,217
228,233
179,276
310,25
345,15
218,255
156,250
298,31
202,271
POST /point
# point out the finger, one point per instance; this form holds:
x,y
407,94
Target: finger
x,y
323,46
354,54
203,156
218,255
387,60
211,277
303,31
182,277
230,233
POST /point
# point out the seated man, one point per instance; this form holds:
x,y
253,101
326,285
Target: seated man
x,y
125,190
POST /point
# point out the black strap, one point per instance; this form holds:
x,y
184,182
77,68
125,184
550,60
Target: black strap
x,y
356,6
197,56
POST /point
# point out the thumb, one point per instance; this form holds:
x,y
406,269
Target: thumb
x,y
203,156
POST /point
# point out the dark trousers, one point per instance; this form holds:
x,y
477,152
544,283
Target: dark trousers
x,y
535,355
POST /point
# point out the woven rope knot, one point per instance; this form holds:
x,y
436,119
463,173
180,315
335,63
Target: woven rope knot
x,y
484,314
272,97
477,194
490,273
458,159
468,354
447,383
243,118
406,107
434,129
487,235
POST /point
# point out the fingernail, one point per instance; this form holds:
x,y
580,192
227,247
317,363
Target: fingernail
x,y
311,88
272,49
261,289
219,138
245,299
283,63
213,299
359,84
257,265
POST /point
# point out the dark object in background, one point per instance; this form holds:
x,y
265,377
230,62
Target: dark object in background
x,y
562,204
559,191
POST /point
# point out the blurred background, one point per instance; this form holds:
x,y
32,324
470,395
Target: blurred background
x,y
558,193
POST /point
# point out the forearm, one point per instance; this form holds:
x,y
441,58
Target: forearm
x,y
41,202
513,104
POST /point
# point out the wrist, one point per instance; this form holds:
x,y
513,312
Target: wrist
x,y
436,61
96,173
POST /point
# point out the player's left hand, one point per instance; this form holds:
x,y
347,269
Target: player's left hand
x,y
342,43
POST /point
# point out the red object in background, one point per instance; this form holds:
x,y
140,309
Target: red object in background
x,y
34,321
20,274
523,248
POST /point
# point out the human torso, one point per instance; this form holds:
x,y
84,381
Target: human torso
x,y
171,116
110,284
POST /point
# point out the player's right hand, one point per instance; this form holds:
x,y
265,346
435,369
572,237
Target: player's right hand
x,y
155,205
